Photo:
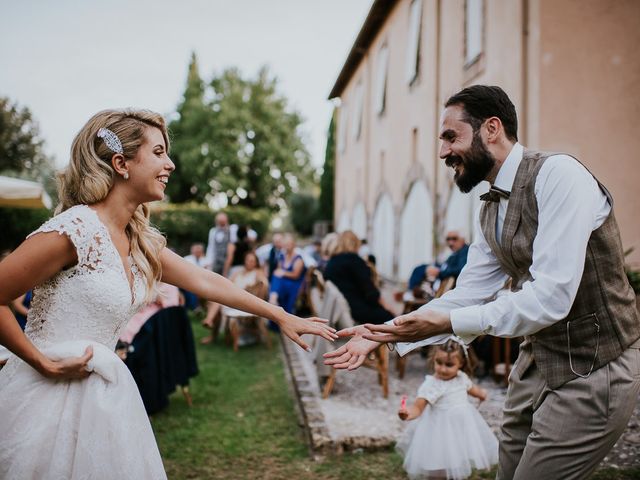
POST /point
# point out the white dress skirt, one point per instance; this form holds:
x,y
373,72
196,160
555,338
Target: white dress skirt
x,y
450,438
89,429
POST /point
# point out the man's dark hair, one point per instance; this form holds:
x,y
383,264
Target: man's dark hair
x,y
481,102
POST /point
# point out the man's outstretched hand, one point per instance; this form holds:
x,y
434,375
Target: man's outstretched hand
x,y
412,327
352,354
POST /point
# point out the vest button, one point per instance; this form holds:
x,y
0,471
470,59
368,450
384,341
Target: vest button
x,y
533,338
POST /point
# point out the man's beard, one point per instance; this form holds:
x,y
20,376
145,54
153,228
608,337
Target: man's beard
x,y
477,162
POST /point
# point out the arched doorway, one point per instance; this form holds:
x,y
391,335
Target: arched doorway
x,y
383,236
359,222
416,231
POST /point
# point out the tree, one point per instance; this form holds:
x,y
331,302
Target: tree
x,y
190,134
304,207
21,148
326,201
237,141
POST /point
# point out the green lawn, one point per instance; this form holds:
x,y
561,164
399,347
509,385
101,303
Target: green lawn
x,y
243,425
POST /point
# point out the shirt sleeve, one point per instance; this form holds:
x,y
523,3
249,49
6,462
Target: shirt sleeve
x,y
570,206
480,280
210,249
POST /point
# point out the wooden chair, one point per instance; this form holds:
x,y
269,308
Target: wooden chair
x,y
378,360
234,319
445,285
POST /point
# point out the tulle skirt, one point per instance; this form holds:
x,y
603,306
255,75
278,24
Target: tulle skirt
x,y
95,428
448,442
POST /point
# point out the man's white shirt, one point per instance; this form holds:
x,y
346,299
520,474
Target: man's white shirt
x,y
571,206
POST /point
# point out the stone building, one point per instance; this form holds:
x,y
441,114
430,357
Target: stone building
x,y
568,65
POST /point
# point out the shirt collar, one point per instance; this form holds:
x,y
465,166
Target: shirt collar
x,y
507,173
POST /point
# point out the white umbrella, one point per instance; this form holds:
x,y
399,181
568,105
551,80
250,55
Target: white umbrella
x,y
22,194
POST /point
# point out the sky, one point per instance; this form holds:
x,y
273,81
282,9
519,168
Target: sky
x,y
67,59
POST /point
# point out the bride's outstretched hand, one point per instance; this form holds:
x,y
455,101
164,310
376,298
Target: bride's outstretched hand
x,y
72,368
293,327
353,353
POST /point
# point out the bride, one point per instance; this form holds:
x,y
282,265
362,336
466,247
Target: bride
x,y
70,408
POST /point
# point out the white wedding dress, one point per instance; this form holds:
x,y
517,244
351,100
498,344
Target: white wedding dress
x,y
95,428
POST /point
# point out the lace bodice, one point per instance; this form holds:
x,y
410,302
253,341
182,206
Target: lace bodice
x,y
92,300
445,393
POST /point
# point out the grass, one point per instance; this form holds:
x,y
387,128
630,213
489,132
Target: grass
x,y
243,425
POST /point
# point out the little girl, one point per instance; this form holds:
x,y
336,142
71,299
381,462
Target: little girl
x,y
450,437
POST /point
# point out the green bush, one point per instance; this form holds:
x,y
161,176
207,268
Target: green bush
x,y
184,224
17,223
304,212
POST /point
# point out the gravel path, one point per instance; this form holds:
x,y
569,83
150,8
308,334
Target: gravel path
x,y
356,414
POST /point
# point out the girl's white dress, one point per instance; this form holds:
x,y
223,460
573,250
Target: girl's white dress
x,y
95,428
450,437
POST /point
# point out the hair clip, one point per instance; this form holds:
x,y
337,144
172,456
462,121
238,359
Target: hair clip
x,y
111,140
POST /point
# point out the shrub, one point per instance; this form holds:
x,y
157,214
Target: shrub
x,y
184,224
17,223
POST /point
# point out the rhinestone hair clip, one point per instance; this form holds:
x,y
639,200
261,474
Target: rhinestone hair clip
x,y
111,140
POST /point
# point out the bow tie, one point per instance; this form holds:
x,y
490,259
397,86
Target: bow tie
x,y
494,195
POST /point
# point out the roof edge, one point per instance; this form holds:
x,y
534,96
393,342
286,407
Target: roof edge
x,y
373,23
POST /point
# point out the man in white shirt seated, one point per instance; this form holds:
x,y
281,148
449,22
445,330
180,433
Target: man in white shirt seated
x,y
548,224
197,255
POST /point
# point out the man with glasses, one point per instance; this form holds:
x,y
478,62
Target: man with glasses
x,y
450,268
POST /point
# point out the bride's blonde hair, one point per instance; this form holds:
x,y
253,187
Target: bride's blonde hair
x,y
90,175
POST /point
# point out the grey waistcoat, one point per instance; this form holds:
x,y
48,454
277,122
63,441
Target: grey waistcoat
x,y
603,320
220,250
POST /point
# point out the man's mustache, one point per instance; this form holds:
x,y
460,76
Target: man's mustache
x,y
452,160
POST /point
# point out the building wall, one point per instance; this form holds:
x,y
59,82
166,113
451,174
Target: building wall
x,y
568,66
588,69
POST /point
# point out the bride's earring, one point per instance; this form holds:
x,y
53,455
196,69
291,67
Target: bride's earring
x,y
125,175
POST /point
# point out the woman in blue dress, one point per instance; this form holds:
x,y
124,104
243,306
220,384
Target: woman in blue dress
x,y
288,277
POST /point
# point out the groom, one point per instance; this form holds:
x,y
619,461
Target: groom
x,y
548,225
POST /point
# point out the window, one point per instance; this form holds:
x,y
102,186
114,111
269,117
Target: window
x,y
474,30
342,128
381,80
357,113
413,47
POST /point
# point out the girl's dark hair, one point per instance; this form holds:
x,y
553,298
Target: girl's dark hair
x,y
451,347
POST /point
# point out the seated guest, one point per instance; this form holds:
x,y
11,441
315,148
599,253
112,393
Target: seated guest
x,y
288,277
168,296
271,261
350,273
250,276
196,257
450,268
327,249
456,261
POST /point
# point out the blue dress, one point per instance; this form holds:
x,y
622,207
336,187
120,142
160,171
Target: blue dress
x,y
22,320
287,288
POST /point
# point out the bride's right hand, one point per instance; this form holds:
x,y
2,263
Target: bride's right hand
x,y
71,368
